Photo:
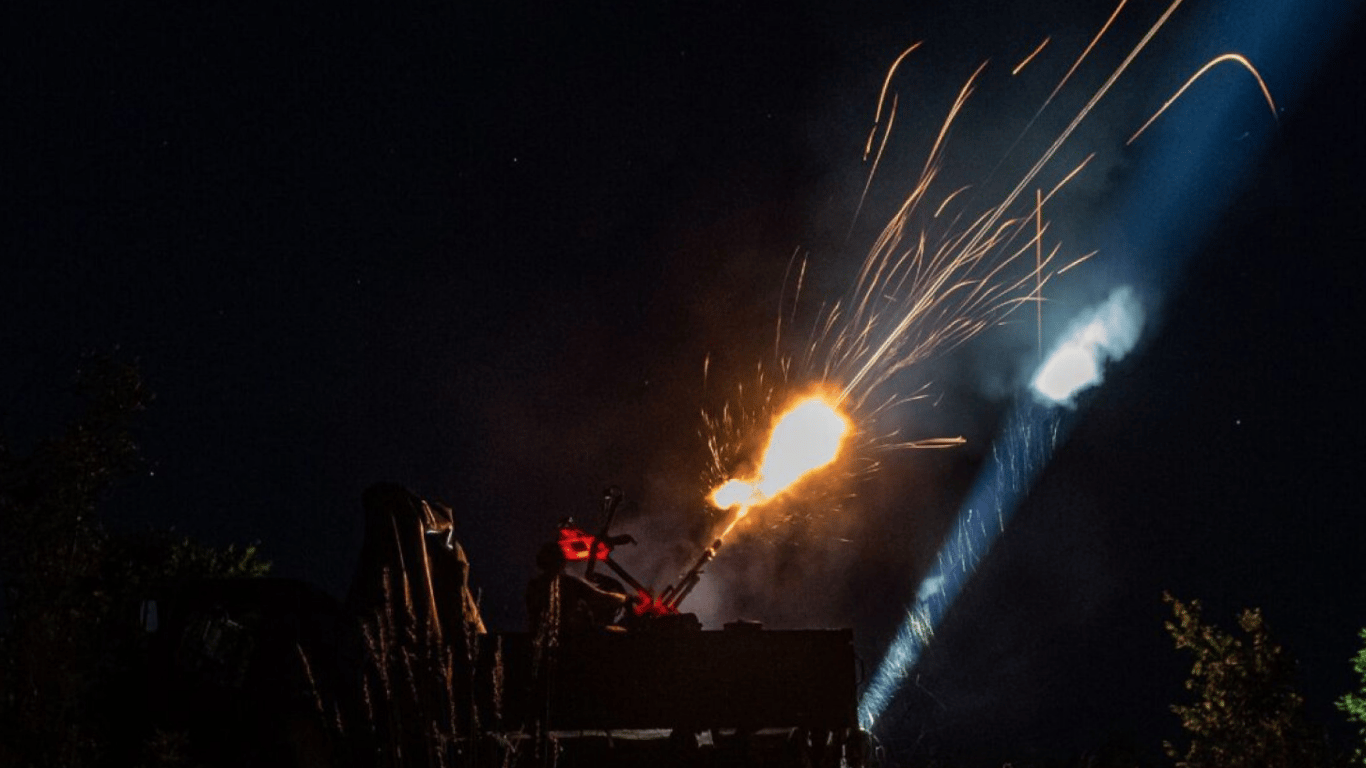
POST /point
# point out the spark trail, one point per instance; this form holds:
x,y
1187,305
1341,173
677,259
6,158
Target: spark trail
x,y
926,285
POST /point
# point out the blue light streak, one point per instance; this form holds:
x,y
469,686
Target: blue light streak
x,y
1033,429
1031,434
1169,204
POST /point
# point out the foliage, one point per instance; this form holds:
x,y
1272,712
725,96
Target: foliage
x,y
154,559
1247,713
69,643
48,499
1354,704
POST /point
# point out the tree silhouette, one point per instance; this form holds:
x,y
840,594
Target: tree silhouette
x,y
1354,704
1247,713
69,640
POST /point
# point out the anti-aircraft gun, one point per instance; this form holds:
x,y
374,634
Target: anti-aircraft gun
x,y
715,689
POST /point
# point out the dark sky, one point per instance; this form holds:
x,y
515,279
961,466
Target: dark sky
x,y
484,252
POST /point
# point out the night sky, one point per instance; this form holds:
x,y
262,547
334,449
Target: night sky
x,y
485,252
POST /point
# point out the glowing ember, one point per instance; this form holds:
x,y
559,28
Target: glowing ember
x,y
806,438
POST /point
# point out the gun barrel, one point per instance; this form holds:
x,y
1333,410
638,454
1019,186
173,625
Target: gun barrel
x,y
694,574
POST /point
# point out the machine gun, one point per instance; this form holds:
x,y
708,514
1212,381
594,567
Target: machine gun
x,y
673,595
579,546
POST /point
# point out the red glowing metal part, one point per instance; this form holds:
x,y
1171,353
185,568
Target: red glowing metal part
x,y
575,544
646,605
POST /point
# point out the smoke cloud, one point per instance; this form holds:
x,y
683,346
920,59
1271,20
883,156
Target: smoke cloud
x,y
1096,337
